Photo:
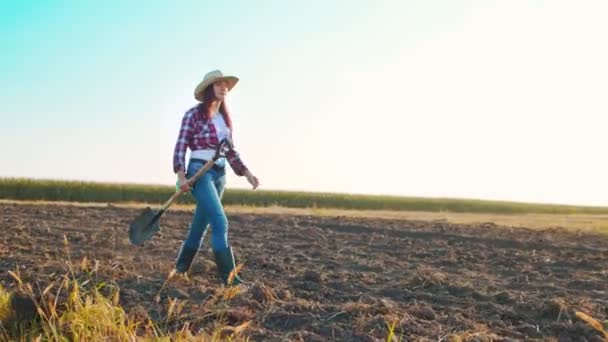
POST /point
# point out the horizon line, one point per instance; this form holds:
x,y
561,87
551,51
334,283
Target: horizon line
x,y
435,198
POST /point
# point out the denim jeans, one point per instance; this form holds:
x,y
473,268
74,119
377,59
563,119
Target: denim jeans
x,y
208,191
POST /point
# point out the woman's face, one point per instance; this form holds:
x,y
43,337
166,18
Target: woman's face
x,y
220,88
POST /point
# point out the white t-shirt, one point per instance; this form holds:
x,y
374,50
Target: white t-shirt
x,y
222,130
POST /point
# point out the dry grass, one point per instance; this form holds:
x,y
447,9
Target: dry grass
x,y
5,305
592,322
73,308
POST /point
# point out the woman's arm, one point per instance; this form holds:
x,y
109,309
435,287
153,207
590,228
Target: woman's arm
x,y
179,153
253,180
240,169
236,163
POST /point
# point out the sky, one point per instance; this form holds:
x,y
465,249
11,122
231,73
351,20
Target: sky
x,y
501,100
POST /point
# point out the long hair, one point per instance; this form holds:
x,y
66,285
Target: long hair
x,y
205,107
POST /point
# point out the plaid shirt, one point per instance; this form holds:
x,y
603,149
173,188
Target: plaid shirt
x,y
197,133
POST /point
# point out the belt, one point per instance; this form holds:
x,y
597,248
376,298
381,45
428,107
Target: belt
x,y
215,167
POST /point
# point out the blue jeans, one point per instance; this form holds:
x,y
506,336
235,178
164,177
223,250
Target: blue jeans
x,y
208,191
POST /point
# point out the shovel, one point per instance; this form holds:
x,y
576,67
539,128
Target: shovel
x,y
147,223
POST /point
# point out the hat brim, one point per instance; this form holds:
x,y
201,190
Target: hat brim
x,y
200,88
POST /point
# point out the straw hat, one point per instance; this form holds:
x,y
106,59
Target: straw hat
x,y
210,78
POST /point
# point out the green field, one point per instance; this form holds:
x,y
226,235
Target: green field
x,y
75,191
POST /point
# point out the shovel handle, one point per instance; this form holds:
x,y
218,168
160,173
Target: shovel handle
x,y
201,171
171,200
197,175
222,149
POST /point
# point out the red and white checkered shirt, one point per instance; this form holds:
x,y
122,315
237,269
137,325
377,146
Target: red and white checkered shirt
x,y
197,133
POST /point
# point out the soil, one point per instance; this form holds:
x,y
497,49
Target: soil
x,y
329,278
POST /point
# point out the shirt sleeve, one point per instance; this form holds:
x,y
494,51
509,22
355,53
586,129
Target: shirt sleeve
x,y
236,163
234,159
179,153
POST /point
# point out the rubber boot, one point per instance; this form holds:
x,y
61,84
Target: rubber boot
x,y
224,260
184,259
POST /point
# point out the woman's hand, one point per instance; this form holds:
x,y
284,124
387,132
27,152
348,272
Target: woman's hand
x,y
253,180
182,182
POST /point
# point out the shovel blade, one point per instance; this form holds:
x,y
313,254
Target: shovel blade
x,y
144,226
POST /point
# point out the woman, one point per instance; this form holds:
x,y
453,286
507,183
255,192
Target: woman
x,y
202,128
